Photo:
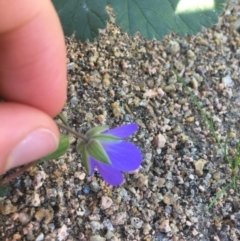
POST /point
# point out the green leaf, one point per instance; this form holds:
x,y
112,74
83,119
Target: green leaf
x,y
96,130
62,148
95,150
106,138
82,17
80,146
156,18
85,161
3,190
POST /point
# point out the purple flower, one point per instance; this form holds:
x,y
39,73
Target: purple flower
x,y
111,155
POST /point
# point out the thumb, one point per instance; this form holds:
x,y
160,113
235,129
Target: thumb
x,y
27,134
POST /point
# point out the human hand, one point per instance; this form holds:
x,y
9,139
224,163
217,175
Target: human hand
x,y
32,80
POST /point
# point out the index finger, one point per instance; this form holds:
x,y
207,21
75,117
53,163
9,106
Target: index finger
x,y
32,55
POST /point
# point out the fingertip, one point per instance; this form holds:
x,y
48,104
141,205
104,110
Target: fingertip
x,y
27,134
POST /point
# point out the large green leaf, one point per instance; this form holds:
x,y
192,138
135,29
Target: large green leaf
x,y
156,18
82,17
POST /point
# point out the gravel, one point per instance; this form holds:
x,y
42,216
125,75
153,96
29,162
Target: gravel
x,y
120,79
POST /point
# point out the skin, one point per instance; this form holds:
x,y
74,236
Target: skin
x,y
32,72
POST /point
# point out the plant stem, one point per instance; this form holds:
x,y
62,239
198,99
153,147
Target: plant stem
x,y
62,118
77,134
17,173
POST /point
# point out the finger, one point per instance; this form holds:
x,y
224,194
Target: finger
x,y
27,134
32,55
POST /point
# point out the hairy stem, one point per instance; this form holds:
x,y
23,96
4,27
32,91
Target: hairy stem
x,y
77,134
17,173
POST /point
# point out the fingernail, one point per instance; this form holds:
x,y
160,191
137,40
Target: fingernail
x,y
35,145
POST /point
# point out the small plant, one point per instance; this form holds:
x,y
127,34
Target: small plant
x,y
101,148
233,162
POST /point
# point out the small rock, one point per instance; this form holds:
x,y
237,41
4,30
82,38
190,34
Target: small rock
x,y
165,227
94,186
40,237
95,225
108,224
160,141
62,233
150,94
190,119
106,82
146,228
199,165
136,222
70,66
190,54
227,80
111,236
119,218
97,238
160,92
106,202
95,81
17,236
216,176
7,208
24,218
116,109
39,179
35,200
170,88
173,47
194,83
169,198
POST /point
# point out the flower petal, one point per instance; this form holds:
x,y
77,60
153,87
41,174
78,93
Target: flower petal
x,y
122,131
108,173
124,156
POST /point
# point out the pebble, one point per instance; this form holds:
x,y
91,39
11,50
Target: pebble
x,y
86,190
170,88
94,186
164,226
173,47
35,200
62,233
106,202
136,222
106,81
7,208
39,178
169,198
40,237
95,81
97,238
116,109
108,224
159,141
70,66
227,80
199,165
24,218
194,83
119,218
95,225
146,228
190,54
